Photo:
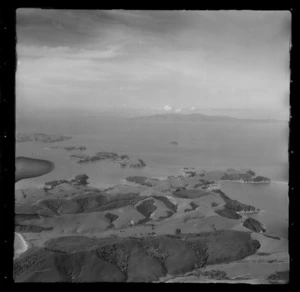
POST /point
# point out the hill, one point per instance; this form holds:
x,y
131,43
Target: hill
x,y
197,117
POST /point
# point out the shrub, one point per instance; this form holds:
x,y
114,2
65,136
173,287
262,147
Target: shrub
x,y
178,231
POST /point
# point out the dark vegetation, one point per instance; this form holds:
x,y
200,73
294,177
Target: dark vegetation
x,y
247,176
123,160
263,253
146,208
254,225
31,228
140,163
261,179
190,194
111,217
169,214
228,213
216,275
177,231
79,180
193,207
272,236
74,148
54,183
141,180
144,220
234,204
84,259
70,148
83,204
167,203
190,173
250,172
119,202
23,217
277,277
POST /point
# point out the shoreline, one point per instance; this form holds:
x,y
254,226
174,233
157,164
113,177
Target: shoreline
x,y
24,244
260,183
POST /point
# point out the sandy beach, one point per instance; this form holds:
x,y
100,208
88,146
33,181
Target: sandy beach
x,y
20,244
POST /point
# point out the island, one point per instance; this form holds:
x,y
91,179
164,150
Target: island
x,y
123,160
40,137
245,176
69,148
174,143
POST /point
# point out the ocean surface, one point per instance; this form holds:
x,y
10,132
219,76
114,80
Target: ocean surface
x,y
272,199
262,147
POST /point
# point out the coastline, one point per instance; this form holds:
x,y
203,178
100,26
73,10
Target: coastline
x,y
250,182
24,244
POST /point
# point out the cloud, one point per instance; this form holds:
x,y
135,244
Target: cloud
x,y
167,108
186,59
67,52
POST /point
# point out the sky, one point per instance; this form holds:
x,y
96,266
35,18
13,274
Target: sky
x,y
96,59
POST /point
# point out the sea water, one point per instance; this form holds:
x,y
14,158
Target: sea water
x,y
272,199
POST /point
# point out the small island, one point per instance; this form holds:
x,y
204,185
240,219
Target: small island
x,y
123,160
39,137
69,148
174,143
80,179
245,176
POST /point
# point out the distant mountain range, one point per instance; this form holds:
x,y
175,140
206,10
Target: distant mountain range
x,y
197,117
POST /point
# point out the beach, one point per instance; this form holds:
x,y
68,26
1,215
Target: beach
x,y
20,245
